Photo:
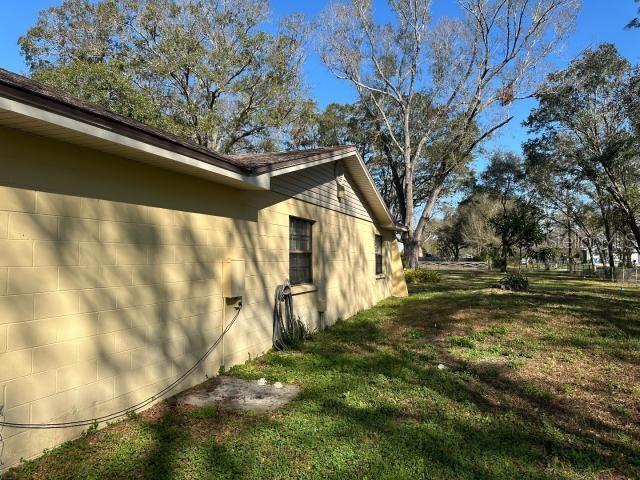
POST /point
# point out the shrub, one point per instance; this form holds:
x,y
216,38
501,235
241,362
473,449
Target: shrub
x,y
515,282
422,275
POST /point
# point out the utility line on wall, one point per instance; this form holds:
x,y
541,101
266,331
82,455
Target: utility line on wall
x,y
125,411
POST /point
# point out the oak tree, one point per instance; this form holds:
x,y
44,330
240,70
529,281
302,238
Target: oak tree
x,y
206,70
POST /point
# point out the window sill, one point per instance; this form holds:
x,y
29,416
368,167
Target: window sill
x,y
303,288
380,276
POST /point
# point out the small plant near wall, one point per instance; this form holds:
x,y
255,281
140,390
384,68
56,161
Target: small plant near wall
x,y
422,275
515,282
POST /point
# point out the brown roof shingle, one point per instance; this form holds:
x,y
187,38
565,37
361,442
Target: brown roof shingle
x,y
263,162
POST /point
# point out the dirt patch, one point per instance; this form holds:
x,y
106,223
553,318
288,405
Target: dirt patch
x,y
497,289
237,394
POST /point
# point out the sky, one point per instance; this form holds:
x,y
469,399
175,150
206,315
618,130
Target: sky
x,y
599,21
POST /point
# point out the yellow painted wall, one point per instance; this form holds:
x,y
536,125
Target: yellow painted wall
x,y
110,280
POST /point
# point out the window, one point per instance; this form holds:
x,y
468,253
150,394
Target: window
x,y
378,255
299,251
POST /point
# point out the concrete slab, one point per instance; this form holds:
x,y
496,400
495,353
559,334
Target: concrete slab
x,y
237,394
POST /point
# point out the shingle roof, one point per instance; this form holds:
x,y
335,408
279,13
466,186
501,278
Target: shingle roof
x,y
37,94
262,162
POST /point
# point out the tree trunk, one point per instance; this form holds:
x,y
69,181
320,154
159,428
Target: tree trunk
x,y
602,257
590,250
612,261
520,259
418,234
412,243
636,232
411,252
607,235
504,260
397,181
570,253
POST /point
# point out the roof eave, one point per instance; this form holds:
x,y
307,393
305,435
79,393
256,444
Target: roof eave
x,y
157,153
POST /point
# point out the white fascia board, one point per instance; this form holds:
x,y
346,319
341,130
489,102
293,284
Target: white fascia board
x,y
390,223
208,170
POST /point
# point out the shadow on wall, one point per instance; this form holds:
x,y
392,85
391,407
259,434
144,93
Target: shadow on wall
x,y
108,294
112,280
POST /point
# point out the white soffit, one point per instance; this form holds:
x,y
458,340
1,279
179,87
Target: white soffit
x,y
20,116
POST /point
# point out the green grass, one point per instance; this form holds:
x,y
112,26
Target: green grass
x,y
540,385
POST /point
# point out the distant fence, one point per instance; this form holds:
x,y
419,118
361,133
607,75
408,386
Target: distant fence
x,y
451,265
626,274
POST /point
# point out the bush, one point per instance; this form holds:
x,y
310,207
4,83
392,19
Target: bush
x,y
515,282
422,275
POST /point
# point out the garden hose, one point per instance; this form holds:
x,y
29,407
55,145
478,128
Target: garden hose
x,y
287,329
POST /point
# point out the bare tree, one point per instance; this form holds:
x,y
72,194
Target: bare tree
x,y
477,232
440,89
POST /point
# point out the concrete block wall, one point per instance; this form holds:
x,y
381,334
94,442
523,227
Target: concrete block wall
x,y
110,280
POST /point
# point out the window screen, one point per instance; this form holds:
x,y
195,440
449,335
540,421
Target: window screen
x,y
299,251
378,255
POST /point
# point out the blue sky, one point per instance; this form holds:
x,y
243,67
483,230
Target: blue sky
x,y
600,21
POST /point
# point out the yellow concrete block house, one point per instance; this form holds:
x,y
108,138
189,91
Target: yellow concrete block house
x,y
124,251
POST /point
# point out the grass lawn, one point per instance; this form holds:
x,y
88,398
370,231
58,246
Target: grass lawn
x,y
543,384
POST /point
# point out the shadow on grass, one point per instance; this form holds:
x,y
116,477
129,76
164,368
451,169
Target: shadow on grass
x,y
477,422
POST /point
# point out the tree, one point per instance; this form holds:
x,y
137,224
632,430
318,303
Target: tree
x,y
477,210
571,199
518,225
345,125
518,221
202,69
439,90
631,94
635,22
450,235
526,222
584,125
502,181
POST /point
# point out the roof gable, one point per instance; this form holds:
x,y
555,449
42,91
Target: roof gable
x,y
319,185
